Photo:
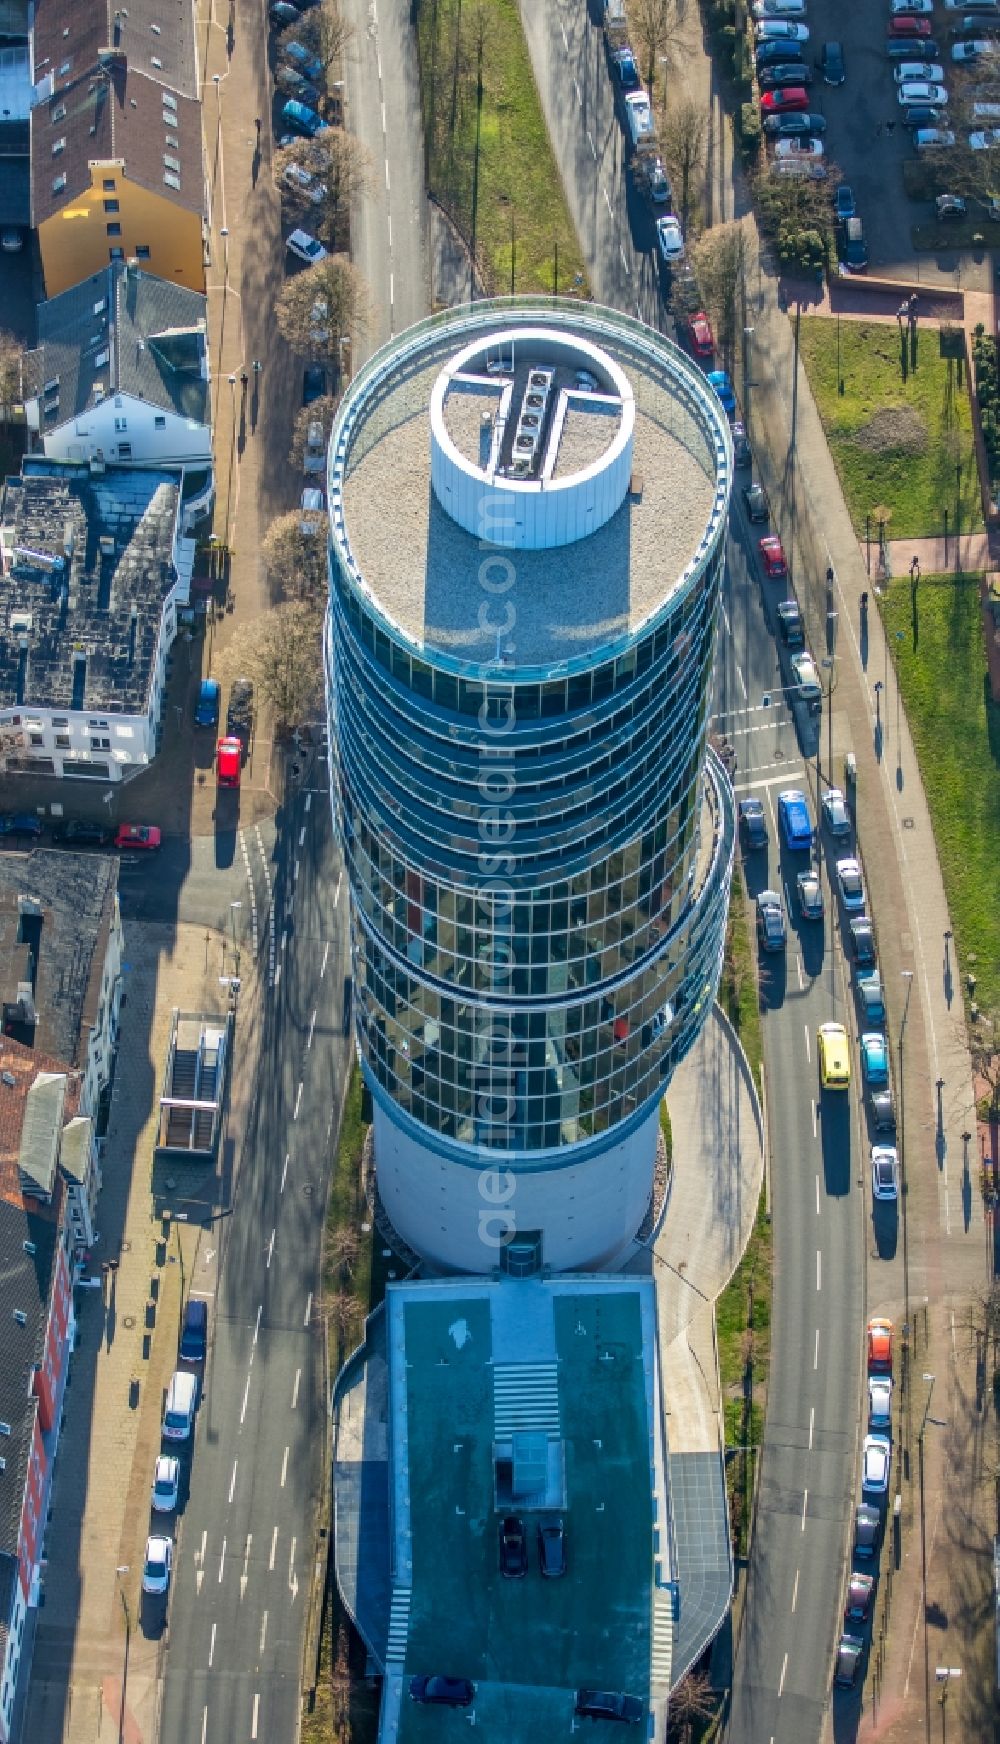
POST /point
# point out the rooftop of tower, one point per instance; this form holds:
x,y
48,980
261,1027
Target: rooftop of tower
x,y
630,441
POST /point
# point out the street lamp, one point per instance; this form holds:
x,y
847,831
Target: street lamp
x,y
123,1569
923,1558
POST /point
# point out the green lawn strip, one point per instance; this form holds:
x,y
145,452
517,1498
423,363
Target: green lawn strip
x,y
895,442
956,730
668,1135
738,990
518,192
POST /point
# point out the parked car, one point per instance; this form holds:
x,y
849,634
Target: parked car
x,y
166,1483
281,13
772,555
862,937
305,247
918,115
658,183
871,997
799,148
513,1547
313,383
194,1333
881,1110
753,825
700,336
984,139
900,49
552,1548
876,1459
138,837
908,70
852,890
307,184
609,1705
922,91
860,1591
79,833
20,823
299,118
670,239
790,626
297,55
879,1347
625,69
903,25
781,30
810,892
742,454
836,816
788,73
444,1692
779,9
910,8
314,455
853,248
844,205
831,64
776,54
295,84
867,1531
885,1172
850,1650
228,762
158,1562
719,381
206,709
782,102
806,677
950,206
795,126
795,819
880,1403
874,1058
756,502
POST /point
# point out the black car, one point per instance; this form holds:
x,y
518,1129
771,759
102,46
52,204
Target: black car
x,y
844,204
949,206
513,1548
194,1333
867,1530
313,383
776,78
862,941
756,502
447,1692
860,1590
770,54
849,1654
78,833
911,48
742,454
281,13
552,1548
609,1705
753,824
923,115
831,64
795,126
881,1108
20,823
790,624
853,247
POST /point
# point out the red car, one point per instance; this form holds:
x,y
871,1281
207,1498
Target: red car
x,y
783,102
137,836
880,1347
228,762
700,335
772,554
909,27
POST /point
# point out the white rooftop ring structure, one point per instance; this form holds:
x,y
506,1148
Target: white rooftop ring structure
x,y
538,840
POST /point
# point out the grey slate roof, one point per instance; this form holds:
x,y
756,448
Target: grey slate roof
x,y
127,332
76,894
25,1282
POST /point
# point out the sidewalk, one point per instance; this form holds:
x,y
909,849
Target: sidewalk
x,y
946,1234
975,551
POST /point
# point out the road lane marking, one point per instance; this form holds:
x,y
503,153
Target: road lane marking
x,y
256,1710
204,1725
579,93
244,1577
309,1303
812,1421
805,1026
295,1383
743,687
222,1561
211,1648
263,1631
284,938
312,1026
781,1680
284,1468
199,1555
815,1121
798,965
819,1270
302,836
309,800
285,1170
565,38
298,1099
232,1481
816,1351
295,871
293,1579
590,142
270,1249
607,202
817,1188
274,1546
795,1592
336,894
256,1330
805,1504
326,955
621,251
277,975
246,1395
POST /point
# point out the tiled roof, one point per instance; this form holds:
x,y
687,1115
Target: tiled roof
x,y
25,1065
125,331
28,1240
115,114
75,892
146,31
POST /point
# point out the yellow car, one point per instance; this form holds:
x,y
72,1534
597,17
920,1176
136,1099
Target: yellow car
x,y
834,1056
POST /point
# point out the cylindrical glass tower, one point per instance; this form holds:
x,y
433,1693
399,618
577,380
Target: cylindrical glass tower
x,y
528,506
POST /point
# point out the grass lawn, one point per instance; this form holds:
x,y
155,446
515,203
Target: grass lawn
x,y
511,186
956,730
738,990
895,441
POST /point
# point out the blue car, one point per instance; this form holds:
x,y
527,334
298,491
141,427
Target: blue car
x,y
299,119
626,71
724,388
206,709
871,997
875,1060
298,56
796,824
20,823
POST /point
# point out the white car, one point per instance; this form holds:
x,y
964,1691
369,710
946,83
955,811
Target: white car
x,y
799,148
781,30
932,138
307,184
312,506
922,91
157,1565
779,8
806,676
314,458
876,1458
972,51
835,812
305,247
885,1172
906,71
852,890
670,238
986,6
880,1403
911,8
166,1482
986,139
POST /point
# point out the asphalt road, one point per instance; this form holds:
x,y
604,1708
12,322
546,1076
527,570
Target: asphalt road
x,y
245,1536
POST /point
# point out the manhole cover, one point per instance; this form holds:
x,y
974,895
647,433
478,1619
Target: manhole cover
x,y
908,823
126,1247
307,1190
129,1321
779,756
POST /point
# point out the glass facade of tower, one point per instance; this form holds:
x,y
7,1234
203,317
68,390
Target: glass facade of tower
x,y
538,850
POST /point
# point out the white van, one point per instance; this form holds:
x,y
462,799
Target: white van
x,y
182,1397
639,116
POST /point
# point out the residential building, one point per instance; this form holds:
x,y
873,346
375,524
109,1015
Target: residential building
x,y
121,375
117,169
508,1408
15,131
94,571
528,510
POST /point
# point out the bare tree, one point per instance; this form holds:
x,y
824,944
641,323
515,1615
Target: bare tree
x,y
719,260
984,1047
294,550
654,25
323,31
323,305
321,411
11,373
683,145
692,1700
281,652
341,168
341,1249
